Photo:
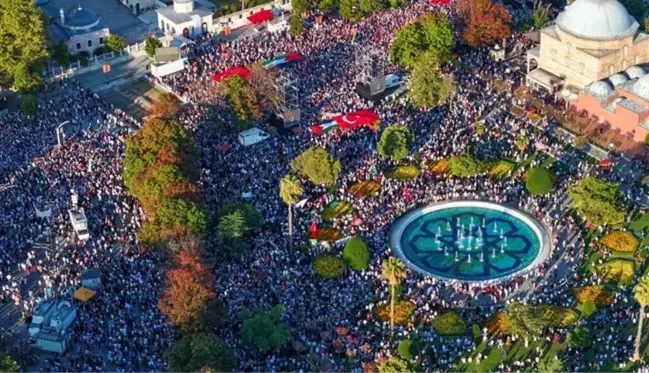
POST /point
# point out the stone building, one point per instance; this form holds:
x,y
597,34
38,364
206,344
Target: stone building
x,y
591,40
80,29
183,18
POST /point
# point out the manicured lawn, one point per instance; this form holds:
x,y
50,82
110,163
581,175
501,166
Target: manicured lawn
x,y
365,188
549,161
336,210
539,181
641,224
403,172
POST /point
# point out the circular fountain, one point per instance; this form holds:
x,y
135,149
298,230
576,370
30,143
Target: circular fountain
x,y
470,241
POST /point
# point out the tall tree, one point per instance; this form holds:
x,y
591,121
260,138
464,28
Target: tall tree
x,y
166,105
428,86
290,190
350,10
524,321
23,45
597,201
393,271
189,300
151,44
395,141
641,295
243,100
265,330
318,165
407,45
116,43
432,32
200,352
485,22
540,15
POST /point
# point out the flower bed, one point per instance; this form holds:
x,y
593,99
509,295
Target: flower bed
x,y
449,324
328,234
403,310
497,324
336,210
619,271
502,168
439,167
365,188
620,241
597,294
402,172
556,316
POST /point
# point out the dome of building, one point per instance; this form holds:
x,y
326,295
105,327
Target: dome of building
x,y
80,17
183,6
641,87
597,20
599,88
635,72
617,79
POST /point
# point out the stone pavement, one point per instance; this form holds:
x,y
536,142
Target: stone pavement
x,y
120,73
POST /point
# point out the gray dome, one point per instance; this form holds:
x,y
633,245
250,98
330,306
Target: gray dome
x,y
597,20
80,17
599,88
635,72
641,87
617,79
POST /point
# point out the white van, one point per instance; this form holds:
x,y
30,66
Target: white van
x,y
392,81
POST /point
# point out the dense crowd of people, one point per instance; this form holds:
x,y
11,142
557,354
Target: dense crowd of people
x,y
121,329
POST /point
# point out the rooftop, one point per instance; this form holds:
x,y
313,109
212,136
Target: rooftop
x,y
597,20
178,18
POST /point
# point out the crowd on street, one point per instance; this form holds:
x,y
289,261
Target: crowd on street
x,y
121,329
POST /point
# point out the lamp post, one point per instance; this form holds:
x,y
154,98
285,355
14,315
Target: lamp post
x,y
58,132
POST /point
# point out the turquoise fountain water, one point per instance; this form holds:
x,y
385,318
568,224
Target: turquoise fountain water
x,y
469,241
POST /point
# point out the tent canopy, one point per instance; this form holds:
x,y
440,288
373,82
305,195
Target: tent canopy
x,y
261,16
84,294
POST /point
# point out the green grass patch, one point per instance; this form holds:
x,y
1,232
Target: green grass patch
x,y
403,172
526,162
641,224
408,349
365,188
449,324
356,254
539,181
548,162
336,210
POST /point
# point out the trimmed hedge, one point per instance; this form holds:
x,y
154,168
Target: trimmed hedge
x,y
402,172
356,254
449,324
408,349
328,266
539,181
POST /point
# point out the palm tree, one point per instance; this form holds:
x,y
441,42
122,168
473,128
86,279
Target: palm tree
x,y
641,296
393,271
290,190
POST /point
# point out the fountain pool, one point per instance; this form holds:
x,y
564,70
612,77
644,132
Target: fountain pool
x,y
469,241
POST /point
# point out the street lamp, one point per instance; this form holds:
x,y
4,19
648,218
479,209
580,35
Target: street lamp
x,y
58,132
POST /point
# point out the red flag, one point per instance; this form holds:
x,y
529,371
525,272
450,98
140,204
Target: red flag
x,y
241,71
406,194
313,229
356,119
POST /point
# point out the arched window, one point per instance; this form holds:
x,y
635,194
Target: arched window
x,y
625,51
623,65
611,70
568,48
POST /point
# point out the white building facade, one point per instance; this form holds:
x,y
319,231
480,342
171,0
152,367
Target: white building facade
x,y
183,18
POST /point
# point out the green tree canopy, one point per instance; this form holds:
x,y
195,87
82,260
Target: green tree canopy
x,y
23,45
174,213
540,16
350,10
265,331
251,217
116,43
395,141
356,254
61,54
29,105
580,337
151,44
200,352
430,33
465,165
597,201
317,165
428,86
8,364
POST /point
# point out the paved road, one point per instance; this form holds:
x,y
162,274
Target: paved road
x,y
98,81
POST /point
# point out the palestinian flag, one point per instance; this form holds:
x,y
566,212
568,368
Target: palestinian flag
x,y
321,129
282,59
